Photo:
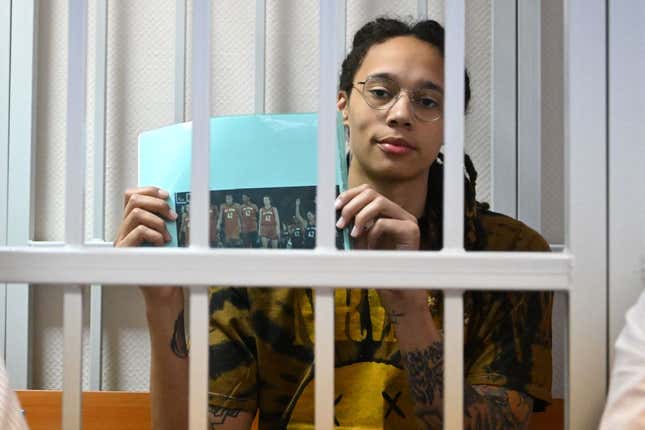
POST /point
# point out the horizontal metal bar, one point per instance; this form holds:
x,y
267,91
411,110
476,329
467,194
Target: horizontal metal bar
x,y
388,269
56,244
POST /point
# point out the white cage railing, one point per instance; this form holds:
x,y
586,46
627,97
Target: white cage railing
x,y
580,270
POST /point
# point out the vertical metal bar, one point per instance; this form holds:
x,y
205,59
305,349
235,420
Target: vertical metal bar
x,y
503,106
529,113
422,9
201,61
76,96
626,128
324,303
5,76
586,194
180,61
24,17
260,55
74,210
72,356
453,212
96,292
453,370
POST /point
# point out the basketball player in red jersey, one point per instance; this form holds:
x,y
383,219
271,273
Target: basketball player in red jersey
x,y
229,212
269,224
249,213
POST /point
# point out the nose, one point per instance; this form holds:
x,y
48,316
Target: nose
x,y
400,113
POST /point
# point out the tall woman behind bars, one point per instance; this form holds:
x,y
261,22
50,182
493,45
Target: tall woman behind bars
x,y
389,346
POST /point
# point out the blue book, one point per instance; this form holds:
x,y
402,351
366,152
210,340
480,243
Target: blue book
x,y
263,174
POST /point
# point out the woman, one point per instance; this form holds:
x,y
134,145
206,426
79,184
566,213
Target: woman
x,y
389,353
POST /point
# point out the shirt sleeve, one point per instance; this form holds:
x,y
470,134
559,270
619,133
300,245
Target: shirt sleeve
x,y
232,351
625,408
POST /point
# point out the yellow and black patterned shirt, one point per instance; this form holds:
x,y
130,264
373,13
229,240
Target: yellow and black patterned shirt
x,y
261,347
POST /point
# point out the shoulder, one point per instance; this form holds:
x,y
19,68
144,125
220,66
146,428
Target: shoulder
x,y
504,233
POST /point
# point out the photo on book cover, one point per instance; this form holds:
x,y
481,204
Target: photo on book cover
x,y
283,217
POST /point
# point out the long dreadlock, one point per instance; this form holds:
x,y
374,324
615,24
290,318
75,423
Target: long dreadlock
x,y
431,223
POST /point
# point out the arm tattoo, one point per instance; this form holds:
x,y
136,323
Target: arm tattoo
x,y
178,340
425,376
217,415
485,407
488,407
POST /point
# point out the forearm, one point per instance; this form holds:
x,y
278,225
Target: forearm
x,y
168,367
485,407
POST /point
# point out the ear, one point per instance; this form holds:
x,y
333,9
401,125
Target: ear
x,y
342,103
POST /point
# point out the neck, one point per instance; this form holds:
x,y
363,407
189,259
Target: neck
x,y
410,193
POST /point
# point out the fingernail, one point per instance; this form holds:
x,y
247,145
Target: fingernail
x,y
354,232
172,215
163,194
340,223
338,203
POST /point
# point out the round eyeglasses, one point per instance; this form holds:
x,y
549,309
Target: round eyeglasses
x,y
382,93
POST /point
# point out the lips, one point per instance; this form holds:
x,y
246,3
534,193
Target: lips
x,y
395,146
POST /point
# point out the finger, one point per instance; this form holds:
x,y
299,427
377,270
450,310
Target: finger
x,y
151,204
348,195
353,206
140,216
368,206
140,235
146,191
402,235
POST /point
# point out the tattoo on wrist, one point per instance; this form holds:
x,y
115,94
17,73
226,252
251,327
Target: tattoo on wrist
x,y
178,340
217,415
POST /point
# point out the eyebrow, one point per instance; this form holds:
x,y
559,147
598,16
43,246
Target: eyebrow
x,y
424,84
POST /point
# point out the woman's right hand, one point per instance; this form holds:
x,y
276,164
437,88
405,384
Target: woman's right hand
x,y
145,211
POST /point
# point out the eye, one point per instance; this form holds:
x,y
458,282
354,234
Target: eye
x,y
427,102
380,93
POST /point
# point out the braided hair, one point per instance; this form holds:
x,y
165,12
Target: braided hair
x,y
431,222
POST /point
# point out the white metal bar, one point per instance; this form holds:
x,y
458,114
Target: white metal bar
x,y
201,69
5,75
76,96
325,194
55,244
422,9
379,269
96,295
260,55
180,61
96,337
324,358
453,207
626,151
503,108
586,194
24,18
72,356
453,359
529,114
99,119
198,369
200,165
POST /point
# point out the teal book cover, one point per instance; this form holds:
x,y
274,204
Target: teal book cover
x,y
263,174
